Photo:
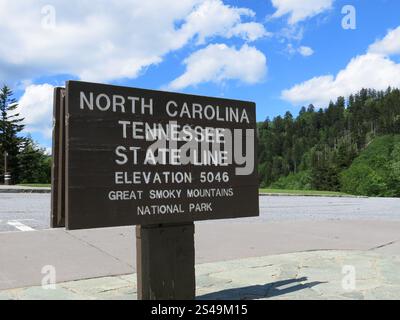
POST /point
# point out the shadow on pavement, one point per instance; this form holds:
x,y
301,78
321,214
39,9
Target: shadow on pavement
x,y
268,290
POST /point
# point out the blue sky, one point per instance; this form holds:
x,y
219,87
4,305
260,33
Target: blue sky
x,y
282,54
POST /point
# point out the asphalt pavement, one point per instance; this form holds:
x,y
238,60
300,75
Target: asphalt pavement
x,y
31,211
286,225
24,211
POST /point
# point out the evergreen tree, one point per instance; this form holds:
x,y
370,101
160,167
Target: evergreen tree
x,y
35,165
10,126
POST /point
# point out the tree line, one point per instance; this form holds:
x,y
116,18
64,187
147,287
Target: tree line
x,y
26,161
312,150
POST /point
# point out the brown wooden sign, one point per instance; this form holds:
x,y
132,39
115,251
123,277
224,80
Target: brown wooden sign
x,y
143,157
58,165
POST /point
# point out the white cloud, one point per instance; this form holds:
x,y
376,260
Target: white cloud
x,y
250,31
219,62
306,51
389,45
100,41
291,32
366,71
213,17
300,10
374,69
36,106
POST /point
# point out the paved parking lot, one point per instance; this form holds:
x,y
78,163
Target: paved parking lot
x,y
29,212
24,211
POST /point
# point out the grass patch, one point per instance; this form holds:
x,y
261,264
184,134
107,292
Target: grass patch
x,y
303,192
36,185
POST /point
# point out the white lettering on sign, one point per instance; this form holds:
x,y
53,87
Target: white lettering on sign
x,y
165,194
200,207
152,177
209,193
208,112
125,195
171,131
140,153
117,103
162,209
196,111
121,153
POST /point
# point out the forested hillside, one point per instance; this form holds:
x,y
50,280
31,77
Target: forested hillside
x,y
376,171
316,149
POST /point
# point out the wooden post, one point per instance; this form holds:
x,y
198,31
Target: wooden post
x,y
166,262
58,168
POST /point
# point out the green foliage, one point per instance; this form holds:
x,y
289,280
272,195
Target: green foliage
x,y
325,142
27,163
325,177
376,172
294,181
35,164
10,126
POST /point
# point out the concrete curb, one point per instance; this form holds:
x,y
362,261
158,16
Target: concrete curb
x,y
310,195
24,190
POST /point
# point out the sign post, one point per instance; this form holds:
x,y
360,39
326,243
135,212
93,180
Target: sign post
x,y
165,262
161,161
